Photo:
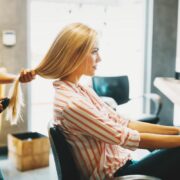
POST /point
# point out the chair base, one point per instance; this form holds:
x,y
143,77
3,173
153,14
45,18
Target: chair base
x,y
1,175
136,177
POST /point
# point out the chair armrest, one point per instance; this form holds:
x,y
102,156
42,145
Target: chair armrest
x,y
151,97
156,99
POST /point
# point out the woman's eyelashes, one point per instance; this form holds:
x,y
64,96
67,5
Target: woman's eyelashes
x,y
95,50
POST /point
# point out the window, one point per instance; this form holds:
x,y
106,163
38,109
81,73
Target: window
x,y
121,28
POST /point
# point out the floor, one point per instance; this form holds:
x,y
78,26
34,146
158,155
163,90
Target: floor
x,y
48,173
11,173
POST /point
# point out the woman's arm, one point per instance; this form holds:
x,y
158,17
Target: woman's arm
x,y
86,119
143,127
154,136
156,141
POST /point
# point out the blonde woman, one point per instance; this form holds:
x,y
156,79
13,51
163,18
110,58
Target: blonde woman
x,y
101,140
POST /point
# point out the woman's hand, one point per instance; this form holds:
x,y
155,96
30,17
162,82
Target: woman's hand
x,y
178,129
26,76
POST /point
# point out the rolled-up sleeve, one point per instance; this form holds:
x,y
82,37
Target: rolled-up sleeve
x,y
90,121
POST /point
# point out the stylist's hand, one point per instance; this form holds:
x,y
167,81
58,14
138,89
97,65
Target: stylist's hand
x,y
26,76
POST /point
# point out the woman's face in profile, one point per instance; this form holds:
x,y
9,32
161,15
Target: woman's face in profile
x,y
91,61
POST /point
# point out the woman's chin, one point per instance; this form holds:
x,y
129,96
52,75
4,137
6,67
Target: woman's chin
x,y
90,74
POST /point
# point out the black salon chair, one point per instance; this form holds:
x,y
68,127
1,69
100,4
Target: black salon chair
x,y
115,91
64,162
65,165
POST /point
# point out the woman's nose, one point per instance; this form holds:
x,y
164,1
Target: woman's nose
x,y
98,58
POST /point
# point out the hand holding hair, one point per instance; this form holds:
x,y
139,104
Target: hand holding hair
x,y
16,97
24,77
27,75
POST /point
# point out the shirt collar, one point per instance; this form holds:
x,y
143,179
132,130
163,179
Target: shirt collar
x,y
59,83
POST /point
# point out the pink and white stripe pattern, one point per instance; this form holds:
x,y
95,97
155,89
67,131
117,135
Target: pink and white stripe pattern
x,y
99,137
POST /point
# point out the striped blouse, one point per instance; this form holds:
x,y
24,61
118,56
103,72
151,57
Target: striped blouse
x,y
99,137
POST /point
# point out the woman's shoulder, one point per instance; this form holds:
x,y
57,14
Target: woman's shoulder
x,y
90,90
67,94
87,88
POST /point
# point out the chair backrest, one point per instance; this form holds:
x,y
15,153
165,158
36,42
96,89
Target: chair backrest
x,y
65,165
116,87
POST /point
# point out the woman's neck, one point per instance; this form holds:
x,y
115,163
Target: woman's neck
x,y
72,78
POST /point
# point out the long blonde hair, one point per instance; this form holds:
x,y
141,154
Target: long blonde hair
x,y
65,55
